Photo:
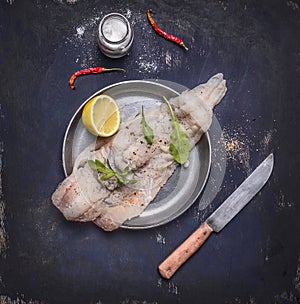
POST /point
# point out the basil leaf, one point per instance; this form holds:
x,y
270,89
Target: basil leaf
x,y
108,172
180,145
92,164
107,176
125,171
102,168
120,178
98,166
147,131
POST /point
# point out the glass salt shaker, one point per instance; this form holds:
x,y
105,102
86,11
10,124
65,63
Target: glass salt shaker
x,y
115,35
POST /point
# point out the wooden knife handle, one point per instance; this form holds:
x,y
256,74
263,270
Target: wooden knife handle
x,y
170,265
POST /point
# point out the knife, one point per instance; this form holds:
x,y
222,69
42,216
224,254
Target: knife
x,y
220,218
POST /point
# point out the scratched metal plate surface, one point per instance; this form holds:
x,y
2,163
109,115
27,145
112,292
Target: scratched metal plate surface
x,y
184,186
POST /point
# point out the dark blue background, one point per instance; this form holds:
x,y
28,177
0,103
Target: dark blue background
x,y
256,45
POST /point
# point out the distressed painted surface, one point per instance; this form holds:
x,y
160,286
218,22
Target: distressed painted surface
x,y
3,235
256,259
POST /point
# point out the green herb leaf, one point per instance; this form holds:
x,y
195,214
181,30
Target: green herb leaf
x,y
147,131
108,172
107,176
92,164
180,145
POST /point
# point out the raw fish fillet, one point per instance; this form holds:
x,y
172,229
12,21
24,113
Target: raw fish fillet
x,y
84,197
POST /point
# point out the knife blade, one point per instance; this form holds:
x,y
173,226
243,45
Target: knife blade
x,y
219,218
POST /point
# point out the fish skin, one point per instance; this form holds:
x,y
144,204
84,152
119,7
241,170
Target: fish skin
x,y
81,197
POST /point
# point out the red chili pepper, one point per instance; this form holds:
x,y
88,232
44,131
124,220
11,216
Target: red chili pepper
x,y
93,70
163,33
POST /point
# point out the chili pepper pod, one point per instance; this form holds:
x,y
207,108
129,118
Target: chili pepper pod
x,y
162,33
93,70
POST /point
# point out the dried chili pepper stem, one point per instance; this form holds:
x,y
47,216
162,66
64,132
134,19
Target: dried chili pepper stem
x,y
93,70
162,33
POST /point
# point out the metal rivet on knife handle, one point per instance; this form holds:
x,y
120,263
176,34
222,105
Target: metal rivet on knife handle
x,y
170,265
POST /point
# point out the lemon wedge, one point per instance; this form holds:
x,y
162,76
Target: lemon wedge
x,y
101,116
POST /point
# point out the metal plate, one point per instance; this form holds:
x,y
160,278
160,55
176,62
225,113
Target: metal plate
x,y
183,187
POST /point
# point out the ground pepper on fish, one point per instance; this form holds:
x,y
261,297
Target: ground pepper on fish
x,y
80,197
